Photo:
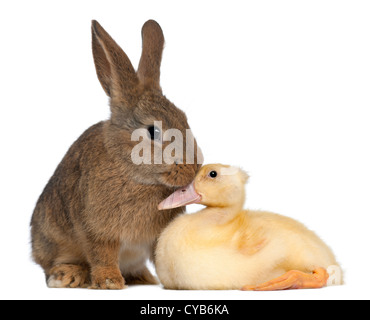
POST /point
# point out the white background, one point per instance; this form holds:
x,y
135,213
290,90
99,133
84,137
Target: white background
x,y
280,88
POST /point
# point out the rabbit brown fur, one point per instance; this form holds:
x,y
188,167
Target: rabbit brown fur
x,y
96,222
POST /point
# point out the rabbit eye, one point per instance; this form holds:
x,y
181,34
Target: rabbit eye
x,y
154,133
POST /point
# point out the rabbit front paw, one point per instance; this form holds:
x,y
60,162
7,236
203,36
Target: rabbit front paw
x,y
107,278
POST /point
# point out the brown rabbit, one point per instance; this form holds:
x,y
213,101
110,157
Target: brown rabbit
x,y
96,222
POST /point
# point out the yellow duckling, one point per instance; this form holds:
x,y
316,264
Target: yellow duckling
x,y
225,247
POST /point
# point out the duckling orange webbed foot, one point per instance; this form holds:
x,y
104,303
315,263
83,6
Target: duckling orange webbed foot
x,y
294,280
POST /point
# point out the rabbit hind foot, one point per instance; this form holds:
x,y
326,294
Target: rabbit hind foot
x,y
68,276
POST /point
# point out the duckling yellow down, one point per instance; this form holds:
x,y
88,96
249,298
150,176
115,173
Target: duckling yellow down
x,y
225,247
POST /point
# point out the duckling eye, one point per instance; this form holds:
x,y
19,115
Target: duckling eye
x,y
213,174
154,133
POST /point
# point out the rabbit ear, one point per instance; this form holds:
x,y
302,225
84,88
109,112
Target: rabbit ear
x,y
114,69
151,56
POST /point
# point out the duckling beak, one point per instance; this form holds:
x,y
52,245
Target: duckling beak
x,y
181,197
